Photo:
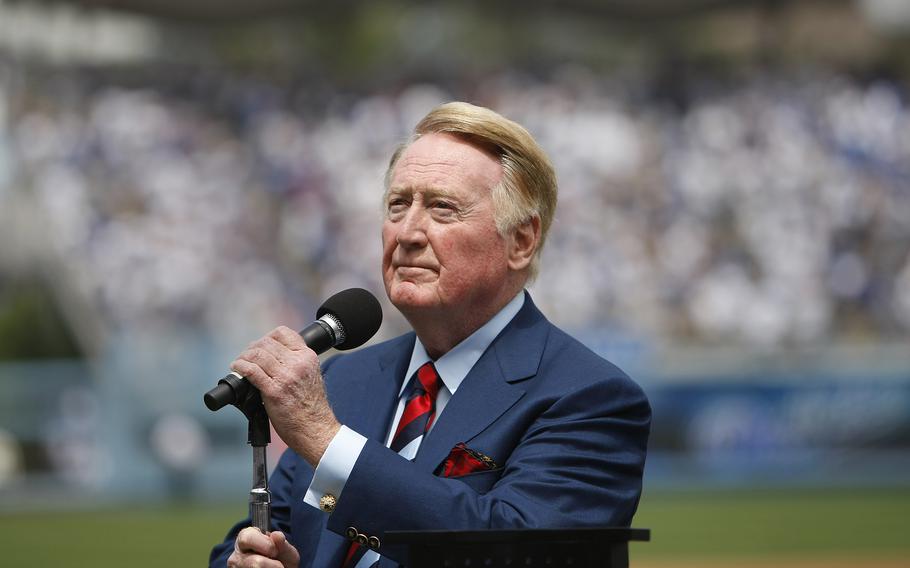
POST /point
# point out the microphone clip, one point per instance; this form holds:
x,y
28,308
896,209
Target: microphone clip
x,y
237,392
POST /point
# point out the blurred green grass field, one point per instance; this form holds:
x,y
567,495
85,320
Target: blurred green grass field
x,y
687,528
776,528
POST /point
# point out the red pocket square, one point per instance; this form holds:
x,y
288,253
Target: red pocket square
x,y
463,460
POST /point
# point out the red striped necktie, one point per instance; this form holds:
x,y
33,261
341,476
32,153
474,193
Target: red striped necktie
x,y
418,415
419,410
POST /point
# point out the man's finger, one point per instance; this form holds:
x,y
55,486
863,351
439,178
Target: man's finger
x,y
265,358
256,374
273,347
288,337
252,541
240,560
287,553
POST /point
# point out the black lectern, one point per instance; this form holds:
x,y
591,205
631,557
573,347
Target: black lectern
x,y
531,548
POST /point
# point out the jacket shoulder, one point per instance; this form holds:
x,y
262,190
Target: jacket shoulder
x,y
566,349
574,365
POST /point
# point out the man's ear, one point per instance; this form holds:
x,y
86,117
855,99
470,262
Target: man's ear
x,y
525,238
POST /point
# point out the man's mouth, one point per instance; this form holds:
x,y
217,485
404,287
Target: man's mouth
x,y
412,270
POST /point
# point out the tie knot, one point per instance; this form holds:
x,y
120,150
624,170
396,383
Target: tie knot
x,y
429,379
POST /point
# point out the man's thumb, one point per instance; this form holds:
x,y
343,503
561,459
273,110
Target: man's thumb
x,y
287,554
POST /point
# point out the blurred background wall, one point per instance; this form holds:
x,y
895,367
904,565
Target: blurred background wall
x,y
177,178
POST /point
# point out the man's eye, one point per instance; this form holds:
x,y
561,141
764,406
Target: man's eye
x,y
397,205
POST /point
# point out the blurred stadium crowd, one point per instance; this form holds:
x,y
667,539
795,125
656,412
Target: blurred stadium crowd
x,y
768,211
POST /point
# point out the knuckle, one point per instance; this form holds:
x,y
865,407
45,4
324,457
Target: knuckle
x,y
247,537
289,337
236,560
279,332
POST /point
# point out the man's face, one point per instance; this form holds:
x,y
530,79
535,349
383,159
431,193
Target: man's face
x,y
440,244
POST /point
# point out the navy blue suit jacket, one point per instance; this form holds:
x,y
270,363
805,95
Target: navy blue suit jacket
x,y
568,428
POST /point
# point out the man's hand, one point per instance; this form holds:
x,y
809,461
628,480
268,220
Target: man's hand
x,y
287,374
252,549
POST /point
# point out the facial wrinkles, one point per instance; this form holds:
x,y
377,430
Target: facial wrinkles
x,y
424,171
441,205
431,249
411,241
438,171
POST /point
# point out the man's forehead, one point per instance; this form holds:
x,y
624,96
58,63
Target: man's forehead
x,y
445,144
427,163
435,160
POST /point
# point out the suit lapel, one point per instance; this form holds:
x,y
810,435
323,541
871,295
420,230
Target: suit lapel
x,y
488,390
369,410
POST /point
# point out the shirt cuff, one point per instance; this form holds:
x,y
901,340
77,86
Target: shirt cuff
x,y
335,467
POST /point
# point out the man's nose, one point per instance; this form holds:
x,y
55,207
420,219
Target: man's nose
x,y
412,230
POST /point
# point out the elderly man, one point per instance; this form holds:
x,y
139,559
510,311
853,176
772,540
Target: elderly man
x,y
486,416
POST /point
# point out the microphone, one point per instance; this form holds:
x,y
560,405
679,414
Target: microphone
x,y
344,321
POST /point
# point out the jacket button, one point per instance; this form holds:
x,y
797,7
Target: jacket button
x,y
350,533
362,539
374,542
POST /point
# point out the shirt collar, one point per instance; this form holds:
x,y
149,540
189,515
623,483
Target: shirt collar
x,y
454,366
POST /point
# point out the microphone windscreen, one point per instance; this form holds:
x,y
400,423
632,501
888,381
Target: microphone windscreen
x,y
359,313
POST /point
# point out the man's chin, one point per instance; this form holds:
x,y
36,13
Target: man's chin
x,y
408,296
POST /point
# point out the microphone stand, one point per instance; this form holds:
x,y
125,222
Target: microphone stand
x,y
258,436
